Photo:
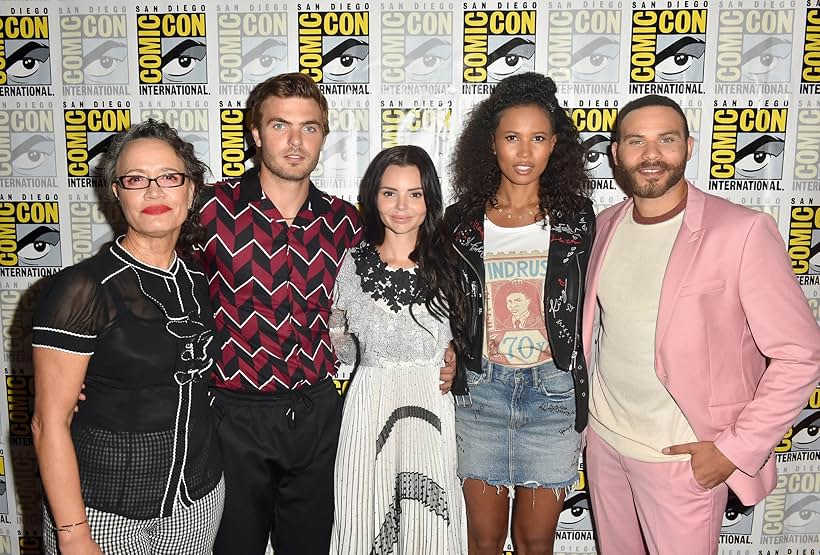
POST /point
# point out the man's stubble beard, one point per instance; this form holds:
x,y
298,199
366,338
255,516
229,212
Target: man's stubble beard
x,y
635,185
289,174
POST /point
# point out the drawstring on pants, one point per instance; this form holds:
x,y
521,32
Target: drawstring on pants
x,y
295,397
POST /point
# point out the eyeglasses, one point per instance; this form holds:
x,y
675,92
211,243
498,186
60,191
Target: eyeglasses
x,y
165,181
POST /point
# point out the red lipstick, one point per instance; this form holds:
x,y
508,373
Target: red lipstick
x,y
156,209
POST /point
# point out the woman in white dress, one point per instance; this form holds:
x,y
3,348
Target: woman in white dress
x,y
397,292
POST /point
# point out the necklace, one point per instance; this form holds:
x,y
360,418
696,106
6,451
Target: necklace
x,y
509,211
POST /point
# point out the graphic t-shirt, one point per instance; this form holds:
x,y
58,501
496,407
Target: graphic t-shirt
x,y
515,266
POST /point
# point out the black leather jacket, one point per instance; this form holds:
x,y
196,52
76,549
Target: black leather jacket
x,y
569,250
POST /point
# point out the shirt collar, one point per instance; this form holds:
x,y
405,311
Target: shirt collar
x,y
250,190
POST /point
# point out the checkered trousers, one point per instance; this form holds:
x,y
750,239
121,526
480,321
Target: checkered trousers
x,y
189,530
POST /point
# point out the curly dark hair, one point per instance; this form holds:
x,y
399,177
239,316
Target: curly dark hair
x,y
434,254
476,175
192,232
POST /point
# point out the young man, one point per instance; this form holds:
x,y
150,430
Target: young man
x,y
679,321
273,248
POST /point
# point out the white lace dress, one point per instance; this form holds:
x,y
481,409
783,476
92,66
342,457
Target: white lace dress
x,y
396,485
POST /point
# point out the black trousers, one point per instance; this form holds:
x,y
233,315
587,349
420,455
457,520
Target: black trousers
x,y
278,454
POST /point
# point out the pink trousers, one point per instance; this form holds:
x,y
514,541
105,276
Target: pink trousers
x,y
659,508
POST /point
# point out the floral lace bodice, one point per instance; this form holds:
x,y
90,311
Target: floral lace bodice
x,y
371,301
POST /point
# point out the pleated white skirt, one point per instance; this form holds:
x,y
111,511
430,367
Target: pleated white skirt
x,y
396,485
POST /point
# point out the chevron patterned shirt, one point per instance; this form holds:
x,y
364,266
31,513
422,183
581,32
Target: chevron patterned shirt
x,y
271,284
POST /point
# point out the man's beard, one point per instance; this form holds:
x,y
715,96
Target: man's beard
x,y
635,184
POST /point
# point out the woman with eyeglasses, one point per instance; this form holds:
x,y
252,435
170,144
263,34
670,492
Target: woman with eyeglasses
x,y
135,470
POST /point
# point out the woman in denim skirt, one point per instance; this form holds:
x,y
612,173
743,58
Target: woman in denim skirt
x,y
523,226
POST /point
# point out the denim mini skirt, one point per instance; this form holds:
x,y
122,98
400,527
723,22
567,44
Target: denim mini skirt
x,y
519,428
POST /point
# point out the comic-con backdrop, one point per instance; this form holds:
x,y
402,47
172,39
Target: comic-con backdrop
x,y
74,72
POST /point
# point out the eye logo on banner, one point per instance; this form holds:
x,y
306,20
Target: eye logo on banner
x,y
27,148
736,527
802,441
804,242
497,44
810,74
25,52
253,47
575,522
747,149
417,52
583,50
334,49
754,51
171,53
236,153
790,511
668,51
346,153
94,54
595,126
88,134
807,152
425,127
91,226
29,238
190,123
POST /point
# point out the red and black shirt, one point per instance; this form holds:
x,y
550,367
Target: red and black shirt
x,y
271,283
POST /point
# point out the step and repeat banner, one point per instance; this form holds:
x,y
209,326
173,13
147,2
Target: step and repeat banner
x,y
75,72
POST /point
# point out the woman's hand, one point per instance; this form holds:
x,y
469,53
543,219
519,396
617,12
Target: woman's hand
x,y
447,373
77,541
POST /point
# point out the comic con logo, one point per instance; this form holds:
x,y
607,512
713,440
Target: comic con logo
x,y
792,508
252,46
94,49
190,123
807,152
748,143
810,72
498,44
668,46
804,240
347,148
171,48
334,46
236,154
16,308
417,47
428,128
24,50
583,45
27,143
595,126
804,435
4,498
754,46
92,226
20,398
88,133
29,234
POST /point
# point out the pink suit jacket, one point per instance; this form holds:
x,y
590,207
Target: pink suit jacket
x,y
729,301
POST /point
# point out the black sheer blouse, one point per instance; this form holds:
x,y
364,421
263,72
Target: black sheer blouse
x,y
143,437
